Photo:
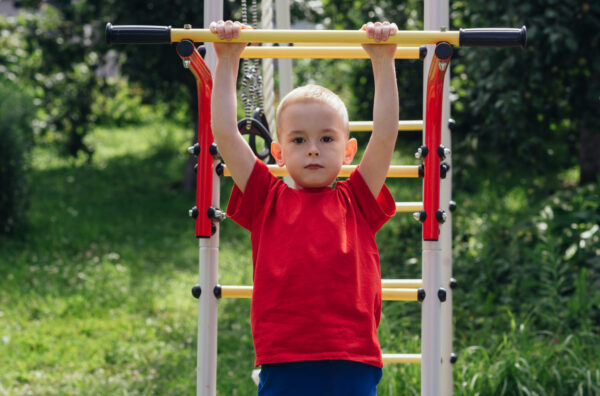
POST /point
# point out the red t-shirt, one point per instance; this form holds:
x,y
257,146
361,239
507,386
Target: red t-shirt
x,y
317,282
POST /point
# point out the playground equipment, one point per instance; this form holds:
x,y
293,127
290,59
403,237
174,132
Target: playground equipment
x,y
436,48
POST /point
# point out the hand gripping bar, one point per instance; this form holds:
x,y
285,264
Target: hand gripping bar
x,y
489,37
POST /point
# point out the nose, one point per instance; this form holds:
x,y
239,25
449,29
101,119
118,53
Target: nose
x,y
313,150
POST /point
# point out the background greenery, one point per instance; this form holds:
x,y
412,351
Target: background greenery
x,y
97,256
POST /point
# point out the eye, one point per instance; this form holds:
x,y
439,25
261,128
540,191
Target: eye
x,y
298,140
327,139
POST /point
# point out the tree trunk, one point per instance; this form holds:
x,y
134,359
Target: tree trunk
x,y
589,152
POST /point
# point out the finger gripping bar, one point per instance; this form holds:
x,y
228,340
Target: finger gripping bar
x,y
137,34
493,37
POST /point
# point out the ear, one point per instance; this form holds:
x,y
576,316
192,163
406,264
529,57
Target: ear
x,y
351,147
277,153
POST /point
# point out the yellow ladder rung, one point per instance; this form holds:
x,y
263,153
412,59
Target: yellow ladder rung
x,y
367,126
407,207
401,358
402,283
388,294
319,52
396,171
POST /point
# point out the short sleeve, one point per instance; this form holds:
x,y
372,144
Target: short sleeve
x,y
378,210
243,206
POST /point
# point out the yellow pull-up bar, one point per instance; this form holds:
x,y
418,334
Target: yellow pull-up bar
x,y
494,37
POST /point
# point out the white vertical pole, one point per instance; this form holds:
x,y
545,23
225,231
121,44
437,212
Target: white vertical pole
x,y
430,318
206,381
283,21
436,17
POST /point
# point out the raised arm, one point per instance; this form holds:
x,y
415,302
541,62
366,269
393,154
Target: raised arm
x,y
378,154
233,148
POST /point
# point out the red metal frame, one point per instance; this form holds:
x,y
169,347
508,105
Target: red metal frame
x,y
205,138
433,138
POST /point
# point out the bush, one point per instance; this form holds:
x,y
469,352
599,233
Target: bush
x,y
16,113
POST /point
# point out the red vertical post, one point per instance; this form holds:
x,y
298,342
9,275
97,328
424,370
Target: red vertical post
x,y
433,138
188,52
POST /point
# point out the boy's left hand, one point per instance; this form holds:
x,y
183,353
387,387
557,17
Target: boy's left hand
x,y
380,31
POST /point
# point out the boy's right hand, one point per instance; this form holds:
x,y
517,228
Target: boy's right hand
x,y
227,30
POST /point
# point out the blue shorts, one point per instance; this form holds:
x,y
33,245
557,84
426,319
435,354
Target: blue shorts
x,y
319,378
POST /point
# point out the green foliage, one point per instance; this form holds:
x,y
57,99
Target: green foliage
x,y
16,138
46,53
524,109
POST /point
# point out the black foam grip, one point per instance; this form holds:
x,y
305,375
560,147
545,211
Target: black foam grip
x,y
137,34
493,37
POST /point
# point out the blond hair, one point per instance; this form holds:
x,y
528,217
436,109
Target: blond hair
x,y
313,93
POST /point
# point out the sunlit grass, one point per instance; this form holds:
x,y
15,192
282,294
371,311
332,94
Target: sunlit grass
x,y
95,298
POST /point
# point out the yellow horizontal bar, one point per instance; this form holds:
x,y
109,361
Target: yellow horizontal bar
x,y
322,52
367,126
393,294
401,358
402,283
236,291
396,171
408,207
387,294
403,37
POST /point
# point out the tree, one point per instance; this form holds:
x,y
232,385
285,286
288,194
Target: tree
x,y
532,109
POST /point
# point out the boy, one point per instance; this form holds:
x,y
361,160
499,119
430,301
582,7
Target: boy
x,y
316,302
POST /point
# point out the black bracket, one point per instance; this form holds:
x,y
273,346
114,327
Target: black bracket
x,y
420,295
215,214
442,294
217,291
196,291
220,168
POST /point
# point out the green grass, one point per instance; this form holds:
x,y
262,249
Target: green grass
x,y
95,297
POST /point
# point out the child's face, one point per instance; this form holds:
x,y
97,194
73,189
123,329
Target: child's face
x,y
313,144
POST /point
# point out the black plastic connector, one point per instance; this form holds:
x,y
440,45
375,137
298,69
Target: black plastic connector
x,y
451,125
422,52
217,291
137,34
201,50
452,206
444,168
493,37
441,152
440,215
442,294
453,283
213,229
420,295
193,212
214,150
196,291
421,171
421,216
216,214
185,48
443,51
453,358
220,168
195,149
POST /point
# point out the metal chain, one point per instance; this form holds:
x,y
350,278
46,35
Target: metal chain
x,y
251,80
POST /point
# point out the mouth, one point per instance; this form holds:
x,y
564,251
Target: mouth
x,y
313,166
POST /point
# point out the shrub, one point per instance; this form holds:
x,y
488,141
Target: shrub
x,y
16,113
